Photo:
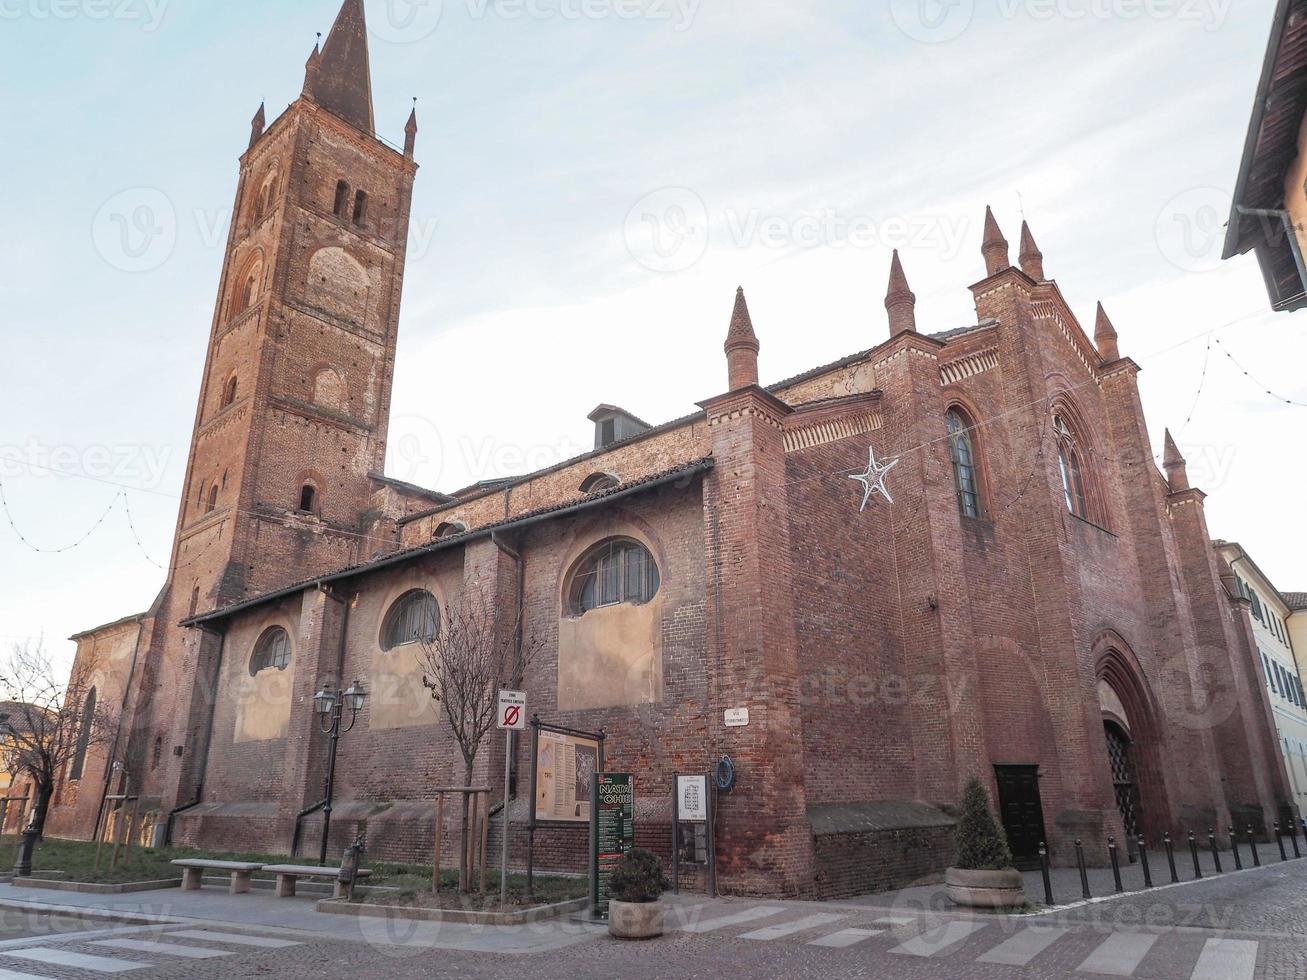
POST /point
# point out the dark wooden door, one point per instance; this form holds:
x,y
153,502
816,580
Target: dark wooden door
x,y
1021,811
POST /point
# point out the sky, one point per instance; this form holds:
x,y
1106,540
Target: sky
x,y
597,176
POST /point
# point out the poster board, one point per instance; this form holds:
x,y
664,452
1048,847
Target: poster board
x,y
612,832
565,764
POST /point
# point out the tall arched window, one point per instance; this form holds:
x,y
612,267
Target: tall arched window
x,y
414,618
229,391
617,571
342,199
1068,461
308,498
83,736
360,207
213,498
271,652
962,452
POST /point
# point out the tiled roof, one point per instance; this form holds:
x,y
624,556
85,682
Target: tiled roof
x,y
1295,600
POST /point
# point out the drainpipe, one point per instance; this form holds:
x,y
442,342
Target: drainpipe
x,y
498,542
204,756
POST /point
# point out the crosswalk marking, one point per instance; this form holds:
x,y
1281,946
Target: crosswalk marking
x,y
76,961
1020,949
846,937
1119,954
232,937
167,949
735,919
15,975
895,920
789,928
934,941
1226,959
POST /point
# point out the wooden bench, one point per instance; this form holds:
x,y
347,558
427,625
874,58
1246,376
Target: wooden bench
x,y
194,869
287,874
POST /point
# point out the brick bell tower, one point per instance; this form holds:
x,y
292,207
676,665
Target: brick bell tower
x,y
295,400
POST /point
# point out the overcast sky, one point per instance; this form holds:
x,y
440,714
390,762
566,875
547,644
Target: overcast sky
x,y
597,177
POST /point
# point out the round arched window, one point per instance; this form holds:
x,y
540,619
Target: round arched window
x,y
617,571
272,652
414,618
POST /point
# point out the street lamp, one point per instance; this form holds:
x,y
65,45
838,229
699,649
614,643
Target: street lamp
x,y
330,707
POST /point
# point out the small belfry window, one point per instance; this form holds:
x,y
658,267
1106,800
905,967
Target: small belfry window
x,y
342,199
213,498
617,571
308,498
360,207
414,618
229,391
1068,461
962,452
272,652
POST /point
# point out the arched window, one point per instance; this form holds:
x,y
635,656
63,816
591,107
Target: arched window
x,y
229,391
260,204
272,652
962,452
618,571
195,599
157,754
600,481
342,199
1068,461
83,736
448,529
414,618
360,207
308,498
213,498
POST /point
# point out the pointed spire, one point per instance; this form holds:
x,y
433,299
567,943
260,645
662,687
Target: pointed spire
x,y
741,346
311,67
1177,476
411,130
900,301
1031,258
1105,336
258,124
343,82
994,246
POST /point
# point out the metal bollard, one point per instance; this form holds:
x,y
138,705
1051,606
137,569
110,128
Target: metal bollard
x,y
1234,849
1170,856
1193,851
1143,862
1116,864
1084,875
1252,842
1216,855
1293,836
1043,869
1279,839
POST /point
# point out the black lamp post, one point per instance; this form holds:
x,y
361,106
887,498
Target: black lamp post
x,y
330,707
26,847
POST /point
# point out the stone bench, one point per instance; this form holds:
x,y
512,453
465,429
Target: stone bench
x,y
194,868
287,874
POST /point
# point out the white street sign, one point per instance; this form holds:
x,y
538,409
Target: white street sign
x,y
692,799
737,717
512,711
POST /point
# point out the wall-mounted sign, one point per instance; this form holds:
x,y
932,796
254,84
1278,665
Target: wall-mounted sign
x,y
565,764
612,832
512,711
737,717
692,799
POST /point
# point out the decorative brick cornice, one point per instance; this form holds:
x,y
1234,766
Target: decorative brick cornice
x,y
831,430
230,415
1048,310
969,366
750,402
1124,367
1182,498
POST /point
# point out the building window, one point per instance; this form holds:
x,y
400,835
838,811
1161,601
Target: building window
x,y
617,571
962,452
157,754
272,652
195,599
83,736
596,482
229,392
607,432
342,199
360,207
414,618
449,529
308,499
1068,461
213,499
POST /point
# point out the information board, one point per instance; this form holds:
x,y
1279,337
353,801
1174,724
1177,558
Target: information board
x,y
612,832
692,799
565,767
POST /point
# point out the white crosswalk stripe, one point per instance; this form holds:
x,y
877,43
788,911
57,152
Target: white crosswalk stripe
x,y
734,919
166,949
76,961
1119,955
790,928
1020,949
15,975
1226,959
895,920
846,937
938,939
236,939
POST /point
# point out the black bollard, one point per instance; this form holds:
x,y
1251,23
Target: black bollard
x,y
1252,843
1234,849
1084,874
1193,851
1279,839
1043,869
1143,862
1170,856
1293,836
1116,864
1216,855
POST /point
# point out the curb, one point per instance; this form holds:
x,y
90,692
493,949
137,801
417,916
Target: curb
x,y
540,913
96,888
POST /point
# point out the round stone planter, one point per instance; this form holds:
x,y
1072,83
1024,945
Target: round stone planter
x,y
985,889
635,920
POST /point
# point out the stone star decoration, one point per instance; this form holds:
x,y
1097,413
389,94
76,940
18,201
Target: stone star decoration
x,y
873,480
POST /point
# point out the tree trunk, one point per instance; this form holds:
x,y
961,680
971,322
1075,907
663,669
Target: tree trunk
x,y
464,882
44,793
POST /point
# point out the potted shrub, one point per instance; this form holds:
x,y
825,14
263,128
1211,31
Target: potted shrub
x,y
637,884
984,876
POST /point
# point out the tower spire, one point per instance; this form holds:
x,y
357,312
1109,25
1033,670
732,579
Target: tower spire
x,y
343,78
994,247
258,124
1177,475
411,130
900,301
1105,336
1030,257
741,346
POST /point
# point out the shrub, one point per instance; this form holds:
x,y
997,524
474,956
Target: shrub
x,y
982,845
639,878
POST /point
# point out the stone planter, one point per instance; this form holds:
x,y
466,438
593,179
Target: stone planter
x,y
985,889
635,920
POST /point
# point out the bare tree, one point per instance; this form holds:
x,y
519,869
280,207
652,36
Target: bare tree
x,y
46,724
477,651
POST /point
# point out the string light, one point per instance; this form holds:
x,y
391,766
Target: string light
x,y
1244,372
53,551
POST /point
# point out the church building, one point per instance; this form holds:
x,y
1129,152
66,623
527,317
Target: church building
x,y
949,556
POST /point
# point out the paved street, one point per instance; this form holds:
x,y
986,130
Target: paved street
x,y
1234,927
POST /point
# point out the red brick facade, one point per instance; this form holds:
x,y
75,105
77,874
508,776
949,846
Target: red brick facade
x,y
885,656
